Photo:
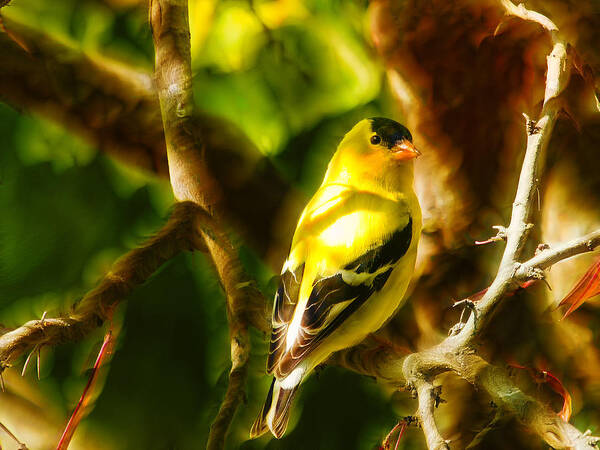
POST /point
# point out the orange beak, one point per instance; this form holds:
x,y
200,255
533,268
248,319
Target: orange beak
x,y
404,150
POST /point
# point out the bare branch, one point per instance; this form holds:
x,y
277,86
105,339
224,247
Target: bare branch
x,y
127,273
456,353
20,445
551,256
516,233
377,361
427,403
192,171
496,382
192,181
245,304
525,14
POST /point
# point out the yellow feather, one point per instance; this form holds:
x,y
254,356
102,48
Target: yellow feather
x,y
366,196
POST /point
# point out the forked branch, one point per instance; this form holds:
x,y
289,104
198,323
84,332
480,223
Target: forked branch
x,y
457,352
192,181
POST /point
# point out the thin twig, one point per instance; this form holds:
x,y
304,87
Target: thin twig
x,y
551,256
526,14
21,445
516,233
436,359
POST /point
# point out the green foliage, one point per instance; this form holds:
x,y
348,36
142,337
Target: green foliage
x,y
276,83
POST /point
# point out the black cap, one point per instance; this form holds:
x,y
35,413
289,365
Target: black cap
x,y
389,130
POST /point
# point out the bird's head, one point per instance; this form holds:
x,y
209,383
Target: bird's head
x,y
376,149
388,137
379,142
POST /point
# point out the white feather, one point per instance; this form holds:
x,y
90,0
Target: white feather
x,y
293,379
293,330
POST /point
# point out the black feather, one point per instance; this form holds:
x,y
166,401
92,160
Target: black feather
x,y
389,131
332,290
387,253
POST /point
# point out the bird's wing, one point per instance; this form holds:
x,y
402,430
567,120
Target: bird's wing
x,y
286,300
332,300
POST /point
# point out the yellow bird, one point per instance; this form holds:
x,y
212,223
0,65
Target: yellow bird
x,y
350,262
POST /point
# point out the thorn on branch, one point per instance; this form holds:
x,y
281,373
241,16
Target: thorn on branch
x,y
500,236
20,445
26,364
437,396
386,444
456,328
411,389
411,420
532,275
467,304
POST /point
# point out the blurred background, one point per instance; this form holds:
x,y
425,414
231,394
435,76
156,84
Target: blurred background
x,y
293,76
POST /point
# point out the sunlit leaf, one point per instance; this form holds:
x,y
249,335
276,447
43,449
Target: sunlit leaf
x,y
234,40
587,287
275,13
329,69
201,16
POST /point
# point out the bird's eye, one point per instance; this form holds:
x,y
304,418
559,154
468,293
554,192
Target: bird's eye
x,y
375,139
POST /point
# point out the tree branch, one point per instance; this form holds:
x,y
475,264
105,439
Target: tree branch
x,y
115,108
202,153
188,228
551,256
127,273
516,234
245,305
192,181
386,365
457,353
427,404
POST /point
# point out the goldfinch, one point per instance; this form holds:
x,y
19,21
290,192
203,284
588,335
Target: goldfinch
x,y
351,259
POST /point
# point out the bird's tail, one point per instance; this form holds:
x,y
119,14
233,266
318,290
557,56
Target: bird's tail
x,y
275,413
